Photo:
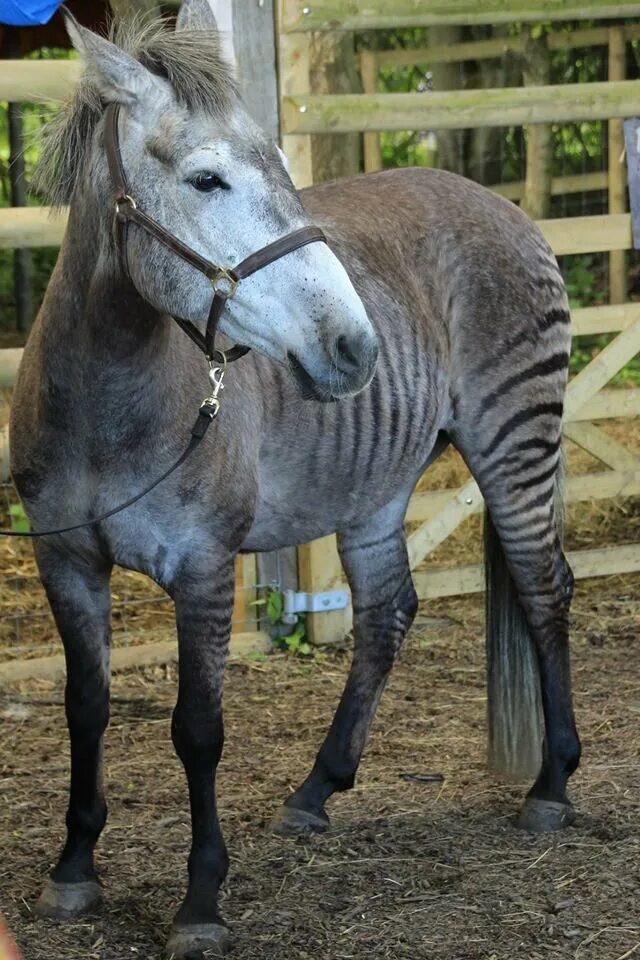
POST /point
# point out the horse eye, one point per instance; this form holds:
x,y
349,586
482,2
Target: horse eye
x,y
206,182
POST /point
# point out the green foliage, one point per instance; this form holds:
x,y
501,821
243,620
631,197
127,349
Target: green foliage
x,y
255,656
19,519
34,116
295,642
585,280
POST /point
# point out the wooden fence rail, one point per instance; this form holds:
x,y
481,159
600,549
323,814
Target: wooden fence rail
x,y
456,109
307,15
37,80
44,227
496,47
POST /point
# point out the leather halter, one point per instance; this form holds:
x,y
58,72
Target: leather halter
x,y
224,280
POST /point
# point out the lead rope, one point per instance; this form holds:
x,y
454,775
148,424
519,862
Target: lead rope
x,y
209,409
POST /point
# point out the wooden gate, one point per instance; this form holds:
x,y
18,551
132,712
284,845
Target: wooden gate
x,y
589,400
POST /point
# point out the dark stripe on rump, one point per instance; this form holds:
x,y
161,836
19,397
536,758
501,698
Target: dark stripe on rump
x,y
520,418
537,443
524,336
543,368
544,498
553,317
537,479
514,459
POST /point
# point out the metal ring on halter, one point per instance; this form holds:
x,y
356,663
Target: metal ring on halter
x,y
213,360
225,283
128,200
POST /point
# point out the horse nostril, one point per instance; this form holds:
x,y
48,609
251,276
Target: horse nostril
x,y
348,353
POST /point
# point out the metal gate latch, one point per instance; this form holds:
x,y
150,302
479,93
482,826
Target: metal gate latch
x,y
295,603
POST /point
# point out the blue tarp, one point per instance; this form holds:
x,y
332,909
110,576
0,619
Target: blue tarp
x,y
27,13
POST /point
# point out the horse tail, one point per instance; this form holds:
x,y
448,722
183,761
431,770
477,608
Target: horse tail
x,y
514,707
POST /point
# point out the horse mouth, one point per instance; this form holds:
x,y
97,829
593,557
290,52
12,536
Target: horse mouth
x,y
308,387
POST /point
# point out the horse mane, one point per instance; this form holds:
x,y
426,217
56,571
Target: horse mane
x,y
192,62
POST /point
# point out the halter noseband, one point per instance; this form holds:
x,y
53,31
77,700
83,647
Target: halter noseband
x,y
224,280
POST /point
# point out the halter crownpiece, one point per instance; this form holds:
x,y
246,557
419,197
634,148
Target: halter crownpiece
x,y
224,280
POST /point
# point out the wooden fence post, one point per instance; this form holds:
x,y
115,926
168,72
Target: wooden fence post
x,y
371,141
333,69
22,262
536,198
294,71
617,183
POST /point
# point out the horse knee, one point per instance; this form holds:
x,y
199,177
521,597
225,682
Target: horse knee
x,y
198,736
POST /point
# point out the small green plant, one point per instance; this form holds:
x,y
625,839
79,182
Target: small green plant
x,y
255,656
295,642
19,519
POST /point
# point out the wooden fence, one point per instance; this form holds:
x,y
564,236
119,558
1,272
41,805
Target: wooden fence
x,y
588,399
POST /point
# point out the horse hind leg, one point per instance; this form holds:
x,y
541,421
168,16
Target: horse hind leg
x,y
374,557
80,601
529,588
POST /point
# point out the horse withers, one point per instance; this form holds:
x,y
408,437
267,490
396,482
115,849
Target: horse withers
x,y
454,289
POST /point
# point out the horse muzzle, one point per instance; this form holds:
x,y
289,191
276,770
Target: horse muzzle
x,y
344,368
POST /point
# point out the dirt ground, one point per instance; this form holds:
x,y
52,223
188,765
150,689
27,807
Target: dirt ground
x,y
428,872
408,870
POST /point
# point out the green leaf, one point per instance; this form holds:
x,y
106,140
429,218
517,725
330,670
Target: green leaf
x,y
19,519
275,606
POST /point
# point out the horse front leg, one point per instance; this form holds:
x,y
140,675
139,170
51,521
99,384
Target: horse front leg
x,y
374,557
79,597
204,604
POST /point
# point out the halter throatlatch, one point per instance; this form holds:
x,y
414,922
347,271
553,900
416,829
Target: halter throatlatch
x,y
224,283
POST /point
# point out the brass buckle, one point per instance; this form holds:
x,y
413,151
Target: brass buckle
x,y
224,283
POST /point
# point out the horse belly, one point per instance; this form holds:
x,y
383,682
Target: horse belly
x,y
295,507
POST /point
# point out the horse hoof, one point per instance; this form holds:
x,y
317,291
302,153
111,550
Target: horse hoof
x,y
196,941
62,901
543,816
292,822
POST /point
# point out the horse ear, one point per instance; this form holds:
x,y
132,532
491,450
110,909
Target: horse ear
x,y
196,15
119,76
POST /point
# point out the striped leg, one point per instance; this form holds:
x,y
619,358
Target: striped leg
x,y
374,556
204,601
517,467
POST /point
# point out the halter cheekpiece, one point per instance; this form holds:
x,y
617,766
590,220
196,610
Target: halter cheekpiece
x,y
224,280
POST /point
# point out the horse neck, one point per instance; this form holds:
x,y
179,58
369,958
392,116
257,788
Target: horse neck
x,y
91,306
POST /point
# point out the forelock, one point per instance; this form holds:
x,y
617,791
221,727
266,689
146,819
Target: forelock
x,y
190,60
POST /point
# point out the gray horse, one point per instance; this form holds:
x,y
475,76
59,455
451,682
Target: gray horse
x,y
452,285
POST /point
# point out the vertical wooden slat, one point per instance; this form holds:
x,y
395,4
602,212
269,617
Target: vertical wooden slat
x,y
536,197
245,593
294,63
617,184
320,569
371,141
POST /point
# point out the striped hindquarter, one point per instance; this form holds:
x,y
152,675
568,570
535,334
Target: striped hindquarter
x,y
495,386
